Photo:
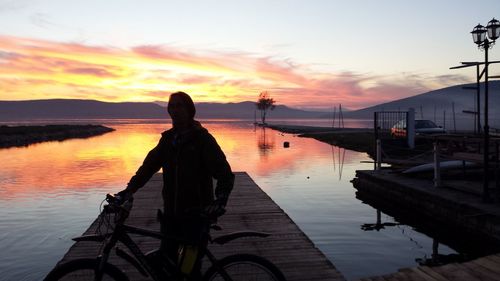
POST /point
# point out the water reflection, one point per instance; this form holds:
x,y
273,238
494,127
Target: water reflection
x,y
434,259
437,259
378,225
466,245
50,192
73,164
340,152
110,159
265,142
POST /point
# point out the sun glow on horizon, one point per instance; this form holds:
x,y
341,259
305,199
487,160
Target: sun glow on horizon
x,y
41,69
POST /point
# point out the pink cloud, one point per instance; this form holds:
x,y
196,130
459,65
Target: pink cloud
x,y
170,54
31,63
245,73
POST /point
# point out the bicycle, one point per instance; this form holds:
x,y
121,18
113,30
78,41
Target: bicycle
x,y
233,267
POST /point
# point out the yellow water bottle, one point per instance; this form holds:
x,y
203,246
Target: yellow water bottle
x,y
188,254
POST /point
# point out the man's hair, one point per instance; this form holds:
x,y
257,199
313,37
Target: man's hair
x,y
187,100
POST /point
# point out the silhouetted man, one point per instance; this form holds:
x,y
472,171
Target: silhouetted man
x,y
190,158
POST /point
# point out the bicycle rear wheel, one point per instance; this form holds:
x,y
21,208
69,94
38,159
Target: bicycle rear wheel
x,y
83,269
242,267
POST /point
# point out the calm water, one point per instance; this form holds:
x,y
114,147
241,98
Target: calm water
x,y
51,192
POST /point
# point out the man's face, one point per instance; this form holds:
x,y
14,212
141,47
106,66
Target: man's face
x,y
178,110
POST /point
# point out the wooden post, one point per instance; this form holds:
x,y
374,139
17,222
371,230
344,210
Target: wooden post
x,y
454,121
379,155
410,128
437,172
375,128
444,119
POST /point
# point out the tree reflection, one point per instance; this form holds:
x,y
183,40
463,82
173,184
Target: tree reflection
x,y
265,143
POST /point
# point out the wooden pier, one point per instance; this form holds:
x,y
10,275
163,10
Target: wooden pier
x,y
249,208
450,206
462,213
482,269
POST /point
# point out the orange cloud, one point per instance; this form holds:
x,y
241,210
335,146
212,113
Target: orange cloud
x,y
32,68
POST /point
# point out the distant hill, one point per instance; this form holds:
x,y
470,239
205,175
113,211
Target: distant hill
x,y
77,109
247,109
91,109
434,105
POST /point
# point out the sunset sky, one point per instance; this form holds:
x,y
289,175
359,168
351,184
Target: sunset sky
x,y
306,54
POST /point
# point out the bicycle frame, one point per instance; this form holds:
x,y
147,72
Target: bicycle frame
x,y
139,259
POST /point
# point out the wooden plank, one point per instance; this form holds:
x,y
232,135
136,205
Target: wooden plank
x,y
425,275
410,275
394,277
455,271
482,269
428,270
488,265
494,258
249,208
481,272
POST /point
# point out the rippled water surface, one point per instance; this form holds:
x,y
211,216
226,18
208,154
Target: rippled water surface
x,y
50,192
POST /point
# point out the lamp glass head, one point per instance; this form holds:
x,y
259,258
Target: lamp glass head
x,y
493,28
478,34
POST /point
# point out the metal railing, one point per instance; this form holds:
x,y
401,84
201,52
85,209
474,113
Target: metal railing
x,y
388,124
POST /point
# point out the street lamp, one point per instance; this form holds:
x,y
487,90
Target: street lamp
x,y
485,42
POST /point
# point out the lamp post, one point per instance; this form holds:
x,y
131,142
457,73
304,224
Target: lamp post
x,y
485,42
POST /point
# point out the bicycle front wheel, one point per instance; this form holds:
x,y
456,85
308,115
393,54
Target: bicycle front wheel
x,y
84,269
242,267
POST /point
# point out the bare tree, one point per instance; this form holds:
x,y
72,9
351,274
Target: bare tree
x,y
264,104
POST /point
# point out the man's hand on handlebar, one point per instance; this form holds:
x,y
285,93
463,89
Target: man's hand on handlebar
x,y
118,203
123,196
215,209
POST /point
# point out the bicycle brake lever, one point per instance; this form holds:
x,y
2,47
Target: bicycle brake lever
x,y
110,197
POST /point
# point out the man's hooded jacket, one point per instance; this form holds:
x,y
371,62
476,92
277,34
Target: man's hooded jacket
x,y
189,161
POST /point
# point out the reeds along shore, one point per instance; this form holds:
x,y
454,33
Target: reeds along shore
x,y
15,136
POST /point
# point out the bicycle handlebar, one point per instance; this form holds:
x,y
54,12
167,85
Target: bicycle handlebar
x,y
116,203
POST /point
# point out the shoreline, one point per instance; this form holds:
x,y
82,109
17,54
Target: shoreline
x,y
19,136
357,139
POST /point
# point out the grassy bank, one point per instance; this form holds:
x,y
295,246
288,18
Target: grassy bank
x,y
357,139
11,136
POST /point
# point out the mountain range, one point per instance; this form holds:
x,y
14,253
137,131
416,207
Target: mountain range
x,y
442,100
91,109
437,105
443,105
